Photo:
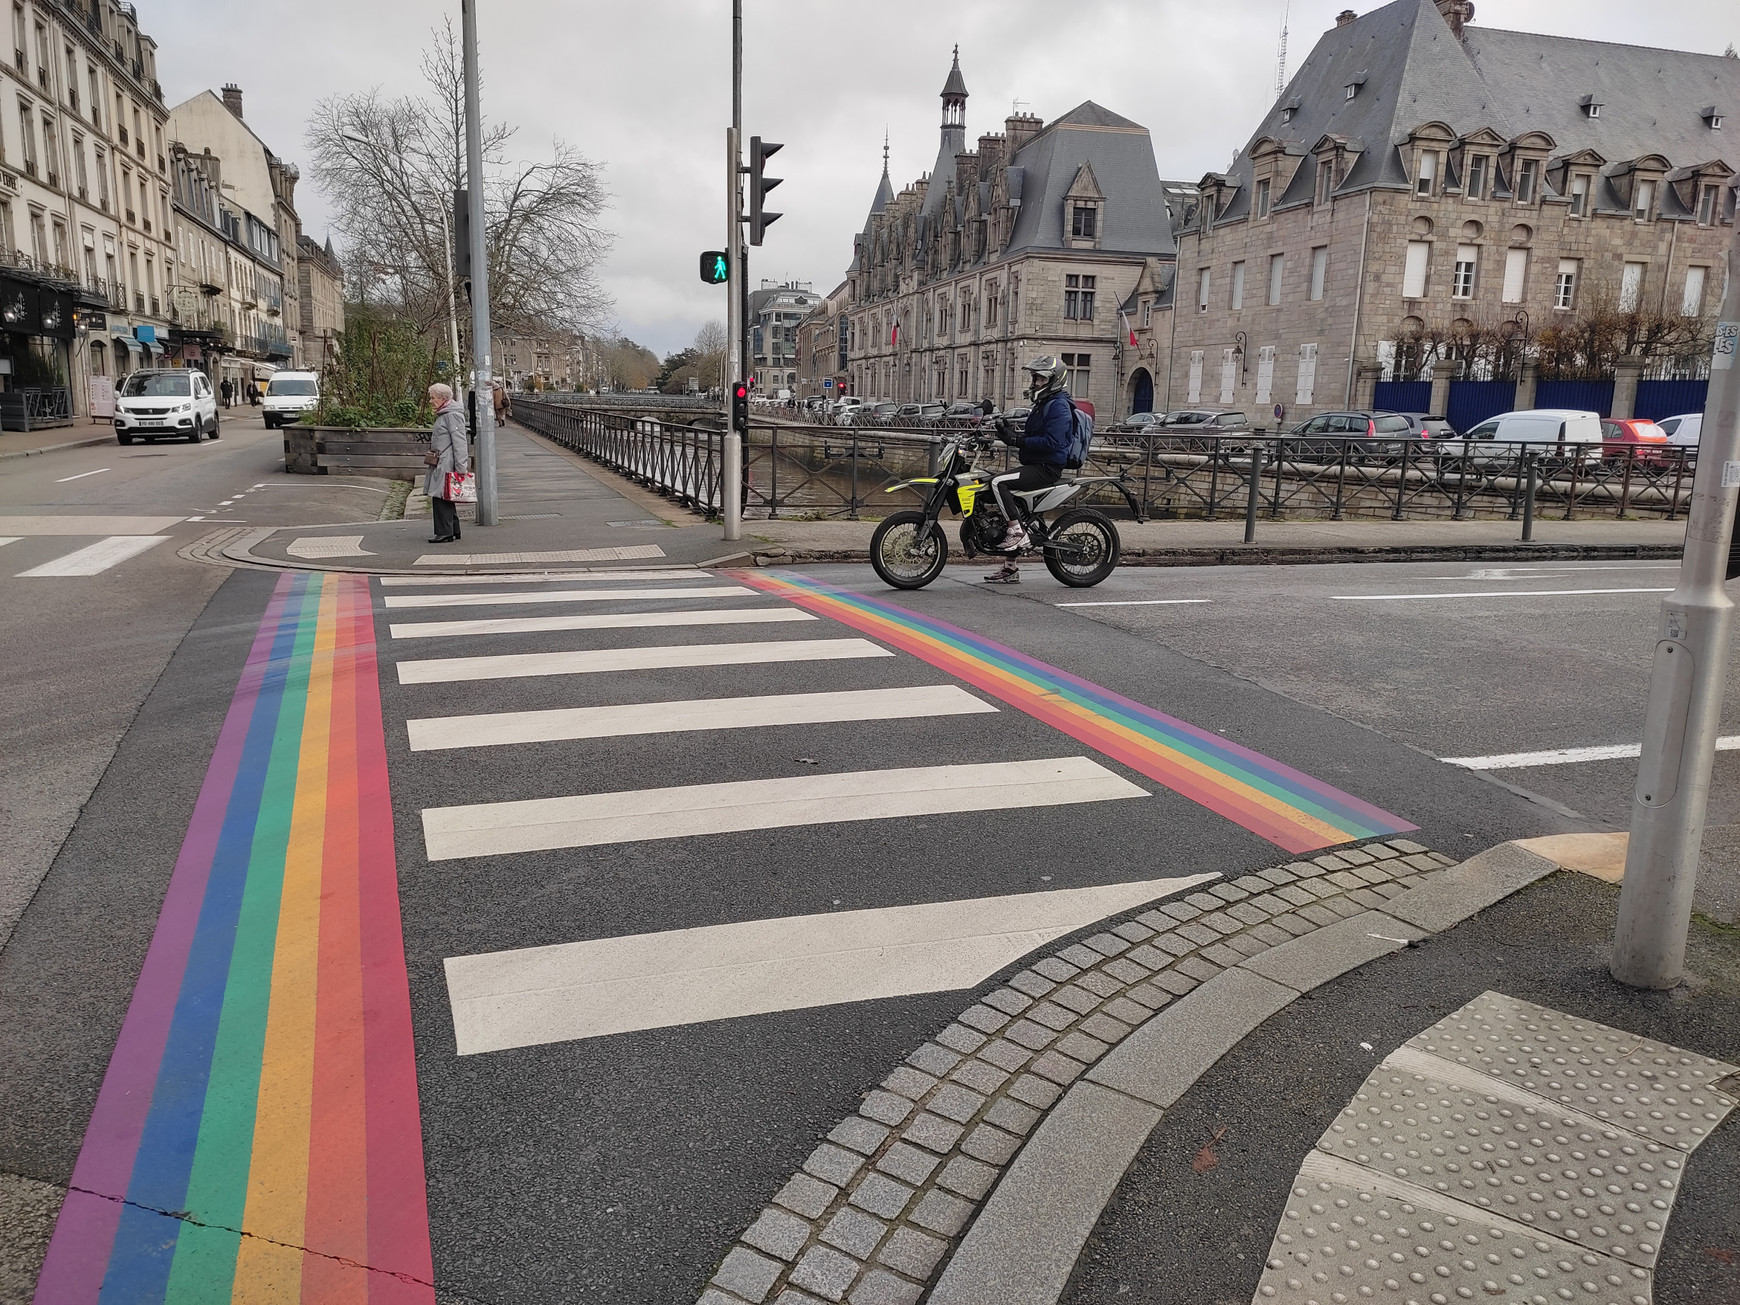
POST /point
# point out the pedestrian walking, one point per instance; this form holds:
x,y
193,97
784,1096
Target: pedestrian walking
x,y
498,396
448,451
226,390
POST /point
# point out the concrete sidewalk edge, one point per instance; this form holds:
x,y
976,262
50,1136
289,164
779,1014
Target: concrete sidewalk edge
x,y
56,448
993,1150
1300,555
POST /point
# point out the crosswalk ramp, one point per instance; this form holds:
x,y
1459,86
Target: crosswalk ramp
x,y
654,728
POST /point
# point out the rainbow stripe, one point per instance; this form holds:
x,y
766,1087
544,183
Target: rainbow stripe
x,y
257,1135
1285,806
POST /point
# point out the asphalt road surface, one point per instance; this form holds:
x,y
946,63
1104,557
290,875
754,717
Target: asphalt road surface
x,y
578,864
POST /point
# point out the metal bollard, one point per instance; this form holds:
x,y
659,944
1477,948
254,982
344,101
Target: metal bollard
x,y
1256,491
1533,462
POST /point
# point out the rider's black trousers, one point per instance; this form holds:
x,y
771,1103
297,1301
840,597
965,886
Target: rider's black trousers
x,y
1029,477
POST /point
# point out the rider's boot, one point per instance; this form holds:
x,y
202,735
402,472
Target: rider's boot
x,y
1014,539
1007,574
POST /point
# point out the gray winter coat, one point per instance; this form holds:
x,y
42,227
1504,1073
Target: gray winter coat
x,y
449,443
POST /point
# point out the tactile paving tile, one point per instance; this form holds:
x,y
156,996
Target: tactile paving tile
x,y
1646,1087
1351,1235
1477,1139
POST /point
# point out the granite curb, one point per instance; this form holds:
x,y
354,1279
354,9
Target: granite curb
x,y
92,442
976,1171
1303,555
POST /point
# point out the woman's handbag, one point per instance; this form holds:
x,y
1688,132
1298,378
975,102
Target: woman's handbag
x,y
431,459
461,487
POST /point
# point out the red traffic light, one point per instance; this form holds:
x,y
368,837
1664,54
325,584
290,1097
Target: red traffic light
x,y
742,390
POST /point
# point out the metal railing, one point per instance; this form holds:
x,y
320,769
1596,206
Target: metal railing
x,y
844,471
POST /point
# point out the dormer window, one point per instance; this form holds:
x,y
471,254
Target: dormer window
x,y
1263,198
1643,199
1354,83
1426,178
1325,180
1712,119
1289,110
1590,106
1477,171
1580,195
1352,90
1526,173
1084,225
1707,206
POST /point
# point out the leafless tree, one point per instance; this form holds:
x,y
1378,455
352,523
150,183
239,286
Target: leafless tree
x,y
390,167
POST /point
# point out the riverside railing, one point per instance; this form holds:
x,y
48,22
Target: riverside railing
x,y
796,469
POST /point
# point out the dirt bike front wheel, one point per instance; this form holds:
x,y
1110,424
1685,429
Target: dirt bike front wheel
x,y
1084,548
901,557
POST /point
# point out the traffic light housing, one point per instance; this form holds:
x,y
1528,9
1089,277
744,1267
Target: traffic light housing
x,y
760,151
715,267
740,407
462,239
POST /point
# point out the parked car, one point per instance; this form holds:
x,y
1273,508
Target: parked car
x,y
930,414
1570,430
845,409
963,412
1137,423
1429,428
1341,428
878,414
288,396
907,414
1643,440
1206,421
1684,429
176,402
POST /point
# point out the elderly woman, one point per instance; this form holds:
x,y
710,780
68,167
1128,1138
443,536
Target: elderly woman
x,y
448,451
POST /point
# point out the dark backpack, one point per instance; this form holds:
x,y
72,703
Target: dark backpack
x,y
1081,437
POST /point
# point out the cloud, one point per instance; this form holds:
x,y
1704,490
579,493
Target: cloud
x,y
644,89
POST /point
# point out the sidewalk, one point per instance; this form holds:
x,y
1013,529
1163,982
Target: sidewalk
x,y
1298,1086
555,512
29,443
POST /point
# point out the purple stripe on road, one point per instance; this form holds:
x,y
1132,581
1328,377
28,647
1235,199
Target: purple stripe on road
x,y
78,1255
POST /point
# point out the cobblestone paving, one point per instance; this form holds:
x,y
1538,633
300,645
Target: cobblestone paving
x,y
882,1201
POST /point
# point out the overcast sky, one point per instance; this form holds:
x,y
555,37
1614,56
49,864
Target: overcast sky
x,y
644,89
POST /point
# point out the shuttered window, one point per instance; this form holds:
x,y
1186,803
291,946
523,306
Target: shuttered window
x,y
1516,266
1414,270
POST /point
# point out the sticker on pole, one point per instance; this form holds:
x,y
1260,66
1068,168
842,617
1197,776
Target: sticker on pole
x,y
1730,475
1727,345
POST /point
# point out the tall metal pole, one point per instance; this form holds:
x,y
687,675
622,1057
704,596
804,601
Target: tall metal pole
x,y
1685,691
452,294
480,360
731,461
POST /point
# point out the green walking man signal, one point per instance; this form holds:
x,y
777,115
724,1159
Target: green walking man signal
x,y
715,267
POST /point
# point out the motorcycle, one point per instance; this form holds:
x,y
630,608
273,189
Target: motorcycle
x,y
1080,546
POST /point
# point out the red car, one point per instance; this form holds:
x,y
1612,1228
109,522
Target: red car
x,y
1641,439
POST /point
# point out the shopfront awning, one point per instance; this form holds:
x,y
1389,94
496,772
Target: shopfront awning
x,y
154,352
129,344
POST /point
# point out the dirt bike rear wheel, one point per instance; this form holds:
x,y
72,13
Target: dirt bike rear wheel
x,y
1084,548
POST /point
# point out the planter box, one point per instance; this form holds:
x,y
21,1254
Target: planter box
x,y
394,452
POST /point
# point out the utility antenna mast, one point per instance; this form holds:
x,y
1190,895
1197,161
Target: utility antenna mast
x,y
1281,55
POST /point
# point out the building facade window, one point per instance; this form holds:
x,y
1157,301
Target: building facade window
x,y
1630,287
1462,283
1084,222
1707,205
1580,195
1643,200
1516,264
1426,177
1565,284
1319,270
1078,297
1277,266
1201,293
27,137
1414,269
1692,302
1263,198
1477,167
1325,180
1237,297
1078,366
1526,174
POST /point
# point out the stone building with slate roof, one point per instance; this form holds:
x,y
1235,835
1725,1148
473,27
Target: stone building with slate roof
x,y
1024,245
1420,174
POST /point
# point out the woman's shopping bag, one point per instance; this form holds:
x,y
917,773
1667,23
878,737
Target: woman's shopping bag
x,y
461,487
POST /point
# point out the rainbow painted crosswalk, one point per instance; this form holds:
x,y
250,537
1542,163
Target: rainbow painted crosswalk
x,y
1285,806
256,1137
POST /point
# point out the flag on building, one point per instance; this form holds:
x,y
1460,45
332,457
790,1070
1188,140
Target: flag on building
x,y
894,332
1130,330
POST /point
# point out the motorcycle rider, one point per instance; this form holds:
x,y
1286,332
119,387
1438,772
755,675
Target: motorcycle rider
x,y
1044,445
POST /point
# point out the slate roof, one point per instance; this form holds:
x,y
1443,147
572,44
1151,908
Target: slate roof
x,y
1121,156
1416,71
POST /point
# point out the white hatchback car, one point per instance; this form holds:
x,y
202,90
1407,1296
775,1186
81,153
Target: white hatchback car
x,y
171,402
1683,429
288,396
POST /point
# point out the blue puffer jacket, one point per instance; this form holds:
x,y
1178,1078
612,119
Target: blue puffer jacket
x,y
1049,428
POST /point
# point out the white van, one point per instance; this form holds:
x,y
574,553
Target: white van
x,y
1683,429
288,396
1542,426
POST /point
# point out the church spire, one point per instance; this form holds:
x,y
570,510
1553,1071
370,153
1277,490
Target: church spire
x,y
884,191
954,96
954,135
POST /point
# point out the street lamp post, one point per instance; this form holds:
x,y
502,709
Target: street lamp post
x,y
1685,691
481,386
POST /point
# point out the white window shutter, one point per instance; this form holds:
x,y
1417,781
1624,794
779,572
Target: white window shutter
x,y
1386,360
1307,374
1195,395
1265,373
1229,370
1414,271
1516,265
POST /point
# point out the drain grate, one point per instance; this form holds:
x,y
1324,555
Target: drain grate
x,y
533,516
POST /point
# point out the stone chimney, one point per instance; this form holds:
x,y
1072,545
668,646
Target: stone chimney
x,y
1345,17
990,155
233,99
1457,13
1021,128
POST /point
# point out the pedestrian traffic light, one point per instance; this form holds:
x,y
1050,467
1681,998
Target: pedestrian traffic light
x,y
760,151
715,267
740,407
